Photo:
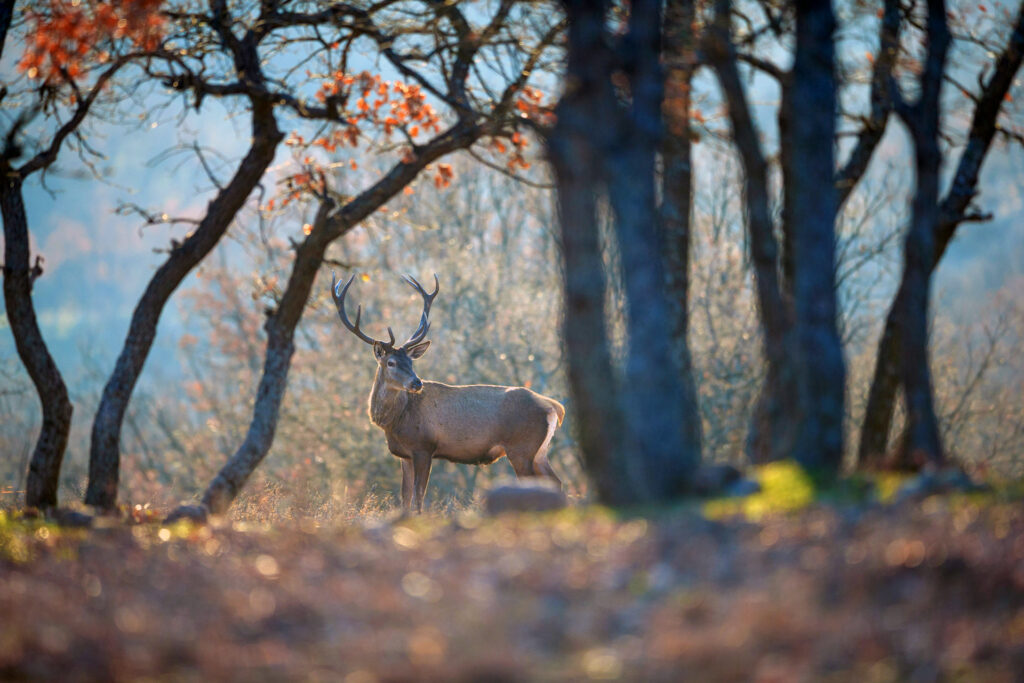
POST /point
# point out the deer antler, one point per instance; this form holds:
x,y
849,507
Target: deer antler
x,y
428,299
339,301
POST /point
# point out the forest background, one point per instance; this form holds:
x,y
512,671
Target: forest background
x,y
493,241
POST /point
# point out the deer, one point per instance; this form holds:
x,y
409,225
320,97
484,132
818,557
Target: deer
x,y
474,424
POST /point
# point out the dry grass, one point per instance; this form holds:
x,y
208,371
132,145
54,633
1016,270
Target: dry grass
x,y
933,591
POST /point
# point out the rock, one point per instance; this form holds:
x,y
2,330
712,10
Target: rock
x,y
741,488
197,514
71,518
934,482
526,495
713,479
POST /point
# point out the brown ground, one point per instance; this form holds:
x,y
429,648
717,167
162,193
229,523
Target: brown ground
x,y
932,591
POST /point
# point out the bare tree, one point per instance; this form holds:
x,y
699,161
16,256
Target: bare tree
x,y
801,402
605,144
66,91
679,47
955,208
104,452
811,205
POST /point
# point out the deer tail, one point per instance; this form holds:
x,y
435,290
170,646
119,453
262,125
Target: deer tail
x,y
559,411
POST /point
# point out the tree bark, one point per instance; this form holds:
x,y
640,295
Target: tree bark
x,y
104,452
922,444
44,467
812,202
329,225
652,395
774,423
877,423
679,49
576,157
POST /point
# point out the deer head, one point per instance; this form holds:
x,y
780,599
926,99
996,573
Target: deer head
x,y
395,361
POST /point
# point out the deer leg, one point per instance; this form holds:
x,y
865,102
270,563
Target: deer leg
x,y
421,474
542,468
407,484
521,462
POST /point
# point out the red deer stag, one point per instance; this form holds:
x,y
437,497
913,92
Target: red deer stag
x,y
472,425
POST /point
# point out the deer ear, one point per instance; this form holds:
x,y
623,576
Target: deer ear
x,y
418,350
378,350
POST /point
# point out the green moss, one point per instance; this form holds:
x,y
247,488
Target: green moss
x,y
785,487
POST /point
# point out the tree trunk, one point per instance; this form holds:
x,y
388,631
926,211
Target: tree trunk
x,y
104,451
652,396
329,225
774,423
812,197
44,467
576,161
885,383
922,444
676,203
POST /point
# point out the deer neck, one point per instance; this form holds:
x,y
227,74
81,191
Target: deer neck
x,y
386,404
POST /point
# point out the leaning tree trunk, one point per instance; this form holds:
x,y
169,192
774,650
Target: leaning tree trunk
x,y
104,451
676,203
652,396
812,206
874,433
44,467
329,225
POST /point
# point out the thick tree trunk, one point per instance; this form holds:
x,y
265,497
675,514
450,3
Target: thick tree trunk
x,y
329,225
104,452
576,160
874,433
813,202
652,396
676,203
44,467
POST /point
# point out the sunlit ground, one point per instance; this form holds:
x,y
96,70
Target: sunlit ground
x,y
777,587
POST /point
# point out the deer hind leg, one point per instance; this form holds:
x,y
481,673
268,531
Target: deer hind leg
x,y
521,458
529,459
541,466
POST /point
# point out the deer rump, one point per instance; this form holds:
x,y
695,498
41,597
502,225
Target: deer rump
x,y
475,424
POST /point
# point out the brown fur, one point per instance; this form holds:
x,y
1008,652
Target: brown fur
x,y
473,425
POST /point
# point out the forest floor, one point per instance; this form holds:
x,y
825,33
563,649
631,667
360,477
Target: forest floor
x,y
926,590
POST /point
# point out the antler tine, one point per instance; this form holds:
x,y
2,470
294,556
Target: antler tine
x,y
428,300
339,302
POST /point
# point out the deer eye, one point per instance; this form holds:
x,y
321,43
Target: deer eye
x,y
391,363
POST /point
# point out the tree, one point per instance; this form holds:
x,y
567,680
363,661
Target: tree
x,y
954,209
68,66
679,54
800,409
605,143
811,206
104,452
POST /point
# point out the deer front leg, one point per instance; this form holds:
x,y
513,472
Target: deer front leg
x,y
407,483
421,474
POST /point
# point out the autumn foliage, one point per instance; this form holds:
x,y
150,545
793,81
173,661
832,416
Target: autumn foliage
x,y
69,37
